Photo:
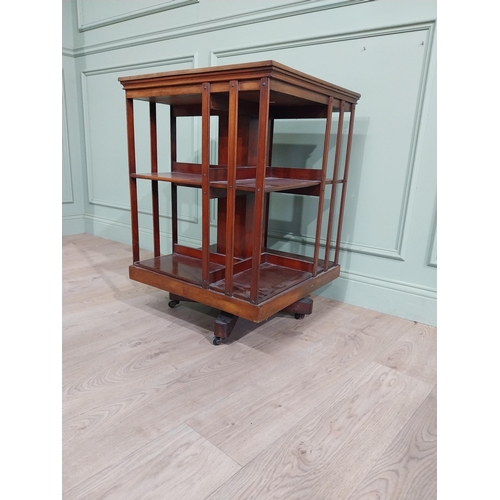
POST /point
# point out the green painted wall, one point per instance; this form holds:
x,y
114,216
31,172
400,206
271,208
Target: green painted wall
x,y
384,50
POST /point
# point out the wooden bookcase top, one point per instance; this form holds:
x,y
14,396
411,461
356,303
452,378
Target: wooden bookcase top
x,y
284,80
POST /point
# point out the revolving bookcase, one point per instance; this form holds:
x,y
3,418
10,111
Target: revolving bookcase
x,y
240,274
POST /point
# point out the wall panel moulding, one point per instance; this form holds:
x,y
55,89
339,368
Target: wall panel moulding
x,y
96,13
300,7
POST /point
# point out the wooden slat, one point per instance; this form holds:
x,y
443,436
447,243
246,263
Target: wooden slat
x,y
231,183
154,183
173,187
336,168
205,183
296,173
344,184
288,261
134,211
267,198
321,201
262,156
180,178
217,258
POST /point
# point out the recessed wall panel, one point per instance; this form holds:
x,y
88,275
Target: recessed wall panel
x,y
387,69
106,141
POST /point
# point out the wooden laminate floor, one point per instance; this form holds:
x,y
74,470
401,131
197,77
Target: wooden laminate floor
x,y
340,405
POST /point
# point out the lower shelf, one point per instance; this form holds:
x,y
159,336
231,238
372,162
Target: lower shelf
x,y
273,280
279,285
178,266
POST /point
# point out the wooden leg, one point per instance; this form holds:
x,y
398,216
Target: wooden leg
x,y
300,308
224,323
223,326
175,299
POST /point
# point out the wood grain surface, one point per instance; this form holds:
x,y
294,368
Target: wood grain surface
x,y
407,468
339,405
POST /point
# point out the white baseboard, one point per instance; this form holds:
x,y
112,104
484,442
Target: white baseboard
x,y
73,224
404,301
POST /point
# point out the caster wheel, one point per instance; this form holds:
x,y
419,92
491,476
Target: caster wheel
x,y
173,303
216,340
299,316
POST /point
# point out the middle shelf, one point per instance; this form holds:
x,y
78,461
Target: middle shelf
x,y
276,178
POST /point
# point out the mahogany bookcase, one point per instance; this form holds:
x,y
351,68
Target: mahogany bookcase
x,y
240,275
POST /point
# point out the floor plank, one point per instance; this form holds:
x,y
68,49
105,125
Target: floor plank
x,y
244,425
177,464
125,421
407,468
415,353
329,451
